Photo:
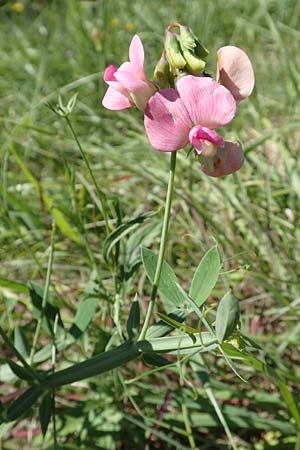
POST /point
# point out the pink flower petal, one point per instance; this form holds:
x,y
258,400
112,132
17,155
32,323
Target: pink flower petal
x,y
109,73
208,103
136,56
118,87
140,90
234,71
227,160
130,81
167,122
125,67
114,100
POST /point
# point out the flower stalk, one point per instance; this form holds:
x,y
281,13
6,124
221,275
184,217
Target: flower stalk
x,y
162,248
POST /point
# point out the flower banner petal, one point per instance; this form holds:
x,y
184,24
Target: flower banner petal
x,y
235,71
136,56
167,122
208,103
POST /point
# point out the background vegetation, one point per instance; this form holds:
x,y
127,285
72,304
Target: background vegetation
x,y
52,47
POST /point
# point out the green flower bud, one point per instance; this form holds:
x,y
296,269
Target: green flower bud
x,y
189,41
187,38
194,64
173,52
162,76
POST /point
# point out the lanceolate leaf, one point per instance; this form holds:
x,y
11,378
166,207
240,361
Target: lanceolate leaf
x,y
36,293
20,342
143,236
133,323
122,230
13,285
161,328
85,313
21,372
45,411
206,276
228,314
24,403
175,324
167,288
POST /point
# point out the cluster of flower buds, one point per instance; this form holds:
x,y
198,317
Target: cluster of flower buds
x,y
184,51
183,55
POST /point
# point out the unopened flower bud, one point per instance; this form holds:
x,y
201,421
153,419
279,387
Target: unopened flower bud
x,y
173,51
162,75
194,64
189,41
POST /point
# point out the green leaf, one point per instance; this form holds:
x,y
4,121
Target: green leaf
x,y
178,325
143,236
289,400
206,276
252,360
85,313
13,285
156,360
45,412
167,289
23,403
36,293
228,314
122,231
21,372
161,328
20,342
260,366
133,323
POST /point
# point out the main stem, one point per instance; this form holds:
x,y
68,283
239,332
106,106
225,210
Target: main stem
x,y
162,248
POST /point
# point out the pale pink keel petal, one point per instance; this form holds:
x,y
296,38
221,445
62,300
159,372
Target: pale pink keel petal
x,y
109,73
235,71
167,122
136,55
227,160
118,87
208,103
114,100
200,136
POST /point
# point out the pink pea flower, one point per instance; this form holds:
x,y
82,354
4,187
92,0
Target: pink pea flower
x,y
190,114
235,72
128,85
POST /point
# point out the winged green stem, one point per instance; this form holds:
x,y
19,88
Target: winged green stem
x,y
126,352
